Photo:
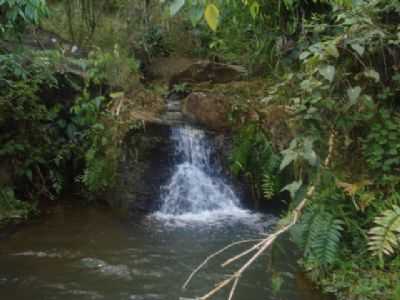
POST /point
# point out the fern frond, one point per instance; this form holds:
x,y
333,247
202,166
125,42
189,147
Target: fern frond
x,y
325,244
268,186
319,235
310,230
384,238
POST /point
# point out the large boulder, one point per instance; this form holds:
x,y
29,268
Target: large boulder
x,y
207,109
165,68
207,71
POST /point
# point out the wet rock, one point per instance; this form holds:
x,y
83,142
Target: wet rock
x,y
172,118
276,121
165,68
206,109
207,71
40,39
143,168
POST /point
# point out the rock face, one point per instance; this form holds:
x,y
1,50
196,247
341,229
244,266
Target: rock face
x,y
208,110
144,167
206,71
165,68
276,121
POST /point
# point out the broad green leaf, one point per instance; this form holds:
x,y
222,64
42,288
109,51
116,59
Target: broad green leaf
x,y
288,4
176,6
328,72
293,188
332,50
196,13
254,9
358,48
288,157
353,94
373,74
304,55
211,14
309,153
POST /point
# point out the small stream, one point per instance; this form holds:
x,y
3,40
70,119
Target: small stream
x,y
82,253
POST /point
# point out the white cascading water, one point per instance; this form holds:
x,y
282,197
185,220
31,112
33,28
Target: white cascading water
x,y
197,190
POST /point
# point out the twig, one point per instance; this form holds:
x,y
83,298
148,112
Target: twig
x,y
232,292
199,267
231,260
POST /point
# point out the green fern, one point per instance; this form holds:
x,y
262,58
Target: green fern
x,y
268,186
325,244
319,234
304,232
252,153
384,238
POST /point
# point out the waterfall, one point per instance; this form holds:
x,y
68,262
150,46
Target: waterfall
x,y
197,190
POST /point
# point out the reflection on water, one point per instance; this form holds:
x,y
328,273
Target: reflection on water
x,y
88,253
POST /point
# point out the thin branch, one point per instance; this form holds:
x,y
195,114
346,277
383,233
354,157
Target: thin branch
x,y
231,260
199,267
232,293
218,287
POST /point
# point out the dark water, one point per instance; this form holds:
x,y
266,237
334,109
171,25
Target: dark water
x,y
79,253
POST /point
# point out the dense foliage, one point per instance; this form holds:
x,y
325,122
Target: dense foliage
x,y
56,129
15,15
336,72
331,68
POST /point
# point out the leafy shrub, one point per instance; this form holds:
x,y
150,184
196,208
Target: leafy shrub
x,y
16,14
115,68
11,207
254,157
46,139
96,148
27,136
100,160
381,147
153,42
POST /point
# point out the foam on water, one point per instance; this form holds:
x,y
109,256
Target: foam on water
x,y
197,191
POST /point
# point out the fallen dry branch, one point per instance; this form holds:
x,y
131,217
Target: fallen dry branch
x,y
199,267
261,246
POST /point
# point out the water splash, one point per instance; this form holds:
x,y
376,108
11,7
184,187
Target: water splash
x,y
197,191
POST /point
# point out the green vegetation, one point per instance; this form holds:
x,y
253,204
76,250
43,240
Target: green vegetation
x,y
12,208
254,157
334,68
329,69
56,118
16,15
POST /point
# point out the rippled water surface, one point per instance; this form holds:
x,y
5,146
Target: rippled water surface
x,y
79,253
89,253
